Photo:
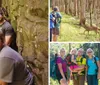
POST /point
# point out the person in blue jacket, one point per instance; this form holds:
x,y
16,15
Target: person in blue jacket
x,y
52,19
93,68
55,22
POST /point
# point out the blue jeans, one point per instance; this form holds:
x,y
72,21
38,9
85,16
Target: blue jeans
x,y
92,80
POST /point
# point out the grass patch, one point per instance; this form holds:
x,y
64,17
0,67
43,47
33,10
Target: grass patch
x,y
71,31
55,82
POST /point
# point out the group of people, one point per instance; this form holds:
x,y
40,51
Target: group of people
x,y
12,68
75,66
55,21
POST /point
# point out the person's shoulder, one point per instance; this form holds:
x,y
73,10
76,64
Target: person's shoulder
x,y
58,13
7,25
59,58
6,51
84,58
10,53
96,58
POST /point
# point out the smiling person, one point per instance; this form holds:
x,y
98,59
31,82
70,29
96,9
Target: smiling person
x,y
9,33
93,68
12,67
61,68
79,79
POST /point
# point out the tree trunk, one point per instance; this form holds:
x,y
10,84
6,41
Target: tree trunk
x,y
78,7
66,6
82,12
91,10
0,3
69,47
75,7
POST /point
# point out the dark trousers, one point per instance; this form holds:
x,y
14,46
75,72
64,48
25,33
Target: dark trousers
x,y
50,34
92,80
79,80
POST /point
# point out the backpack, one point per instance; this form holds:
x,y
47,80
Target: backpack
x,y
57,18
95,61
54,70
80,60
53,67
54,15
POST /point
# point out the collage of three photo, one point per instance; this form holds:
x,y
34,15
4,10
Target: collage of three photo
x,y
49,42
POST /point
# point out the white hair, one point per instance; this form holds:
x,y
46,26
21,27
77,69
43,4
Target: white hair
x,y
62,49
73,49
82,50
90,50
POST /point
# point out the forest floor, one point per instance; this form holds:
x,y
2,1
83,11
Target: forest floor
x,y
70,30
55,82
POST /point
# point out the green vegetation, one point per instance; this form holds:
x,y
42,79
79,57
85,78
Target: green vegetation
x,y
55,47
71,31
55,82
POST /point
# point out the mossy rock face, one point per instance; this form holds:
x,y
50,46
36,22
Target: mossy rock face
x,y
30,20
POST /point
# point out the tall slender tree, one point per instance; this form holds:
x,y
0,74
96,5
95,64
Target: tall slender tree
x,y
75,7
82,12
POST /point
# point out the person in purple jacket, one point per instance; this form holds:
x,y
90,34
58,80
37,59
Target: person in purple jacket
x,y
61,68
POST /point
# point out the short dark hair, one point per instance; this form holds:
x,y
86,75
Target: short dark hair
x,y
56,8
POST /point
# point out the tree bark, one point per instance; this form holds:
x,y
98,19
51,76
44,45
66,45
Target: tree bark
x,y
82,12
0,3
66,6
75,7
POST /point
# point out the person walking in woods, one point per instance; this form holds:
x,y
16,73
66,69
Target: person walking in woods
x,y
12,67
79,79
93,68
9,33
61,68
57,23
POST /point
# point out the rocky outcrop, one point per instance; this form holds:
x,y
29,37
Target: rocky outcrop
x,y
30,20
